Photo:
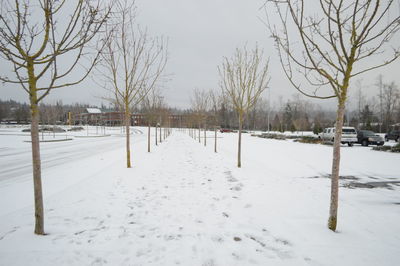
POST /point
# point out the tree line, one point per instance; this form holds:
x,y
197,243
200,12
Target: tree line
x,y
378,113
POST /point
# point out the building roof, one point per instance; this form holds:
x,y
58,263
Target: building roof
x,y
93,110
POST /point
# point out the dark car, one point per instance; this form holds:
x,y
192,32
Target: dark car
x,y
225,130
366,137
394,135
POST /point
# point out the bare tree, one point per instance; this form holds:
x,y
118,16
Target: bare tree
x,y
133,63
151,105
259,115
243,78
391,98
216,101
333,48
379,85
164,115
50,114
200,103
158,114
33,41
191,121
360,97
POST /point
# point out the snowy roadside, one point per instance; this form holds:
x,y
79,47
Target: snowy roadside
x,y
182,204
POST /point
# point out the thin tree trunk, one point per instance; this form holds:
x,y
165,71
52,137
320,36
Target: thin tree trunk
x,y
160,134
148,138
36,164
239,164
199,133
215,139
128,148
37,176
156,136
333,210
205,134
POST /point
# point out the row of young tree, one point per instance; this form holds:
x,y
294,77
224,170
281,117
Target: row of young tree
x,y
56,44
326,51
379,113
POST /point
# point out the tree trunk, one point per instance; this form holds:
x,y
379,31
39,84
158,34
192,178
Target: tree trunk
x,y
332,222
160,134
199,133
215,139
127,129
148,138
239,163
156,135
205,134
36,164
37,176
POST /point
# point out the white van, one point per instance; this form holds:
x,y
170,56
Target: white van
x,y
349,135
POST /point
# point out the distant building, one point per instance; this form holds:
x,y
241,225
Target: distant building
x,y
95,116
113,118
91,116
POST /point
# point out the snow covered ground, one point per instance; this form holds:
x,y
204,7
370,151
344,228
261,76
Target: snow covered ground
x,y
183,204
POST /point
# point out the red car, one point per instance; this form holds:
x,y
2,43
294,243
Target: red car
x,y
225,130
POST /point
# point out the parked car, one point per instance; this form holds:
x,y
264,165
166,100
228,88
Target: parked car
x,y
225,130
367,137
394,135
349,135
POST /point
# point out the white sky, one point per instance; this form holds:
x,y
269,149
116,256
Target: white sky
x,y
200,33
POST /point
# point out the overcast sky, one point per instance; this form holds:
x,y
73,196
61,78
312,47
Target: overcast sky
x,y
200,33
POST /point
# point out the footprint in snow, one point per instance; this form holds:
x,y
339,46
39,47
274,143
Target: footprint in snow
x,y
230,177
238,187
280,250
217,239
209,262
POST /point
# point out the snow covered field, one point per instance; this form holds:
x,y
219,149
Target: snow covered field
x,y
182,204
